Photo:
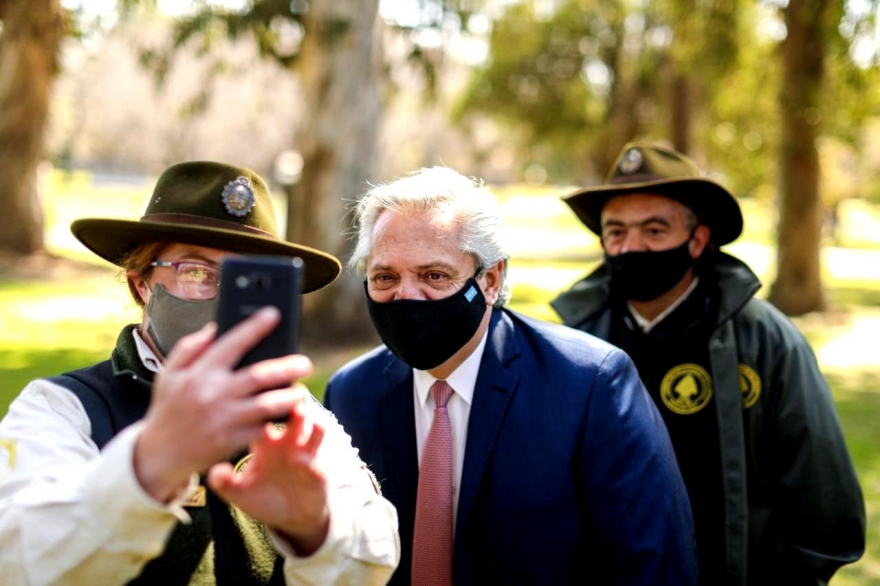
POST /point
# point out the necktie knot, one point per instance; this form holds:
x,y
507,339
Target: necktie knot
x,y
441,392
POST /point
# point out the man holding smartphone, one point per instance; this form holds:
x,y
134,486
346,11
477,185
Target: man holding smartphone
x,y
104,484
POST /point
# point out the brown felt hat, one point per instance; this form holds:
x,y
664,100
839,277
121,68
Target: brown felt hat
x,y
207,204
651,168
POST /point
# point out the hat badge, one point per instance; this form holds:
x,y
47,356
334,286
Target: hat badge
x,y
238,197
631,161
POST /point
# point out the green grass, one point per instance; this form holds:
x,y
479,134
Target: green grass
x,y
858,403
62,320
23,366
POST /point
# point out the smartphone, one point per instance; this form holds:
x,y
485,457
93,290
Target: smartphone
x,y
249,283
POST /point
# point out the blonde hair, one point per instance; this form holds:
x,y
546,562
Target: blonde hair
x,y
138,261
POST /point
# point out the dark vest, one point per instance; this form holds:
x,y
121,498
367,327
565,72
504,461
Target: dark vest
x,y
222,545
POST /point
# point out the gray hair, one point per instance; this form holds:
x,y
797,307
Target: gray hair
x,y
691,220
439,191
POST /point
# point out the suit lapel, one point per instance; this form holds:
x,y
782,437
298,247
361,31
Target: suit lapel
x,y
494,390
397,430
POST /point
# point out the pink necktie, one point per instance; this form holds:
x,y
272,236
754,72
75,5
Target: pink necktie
x,y
432,540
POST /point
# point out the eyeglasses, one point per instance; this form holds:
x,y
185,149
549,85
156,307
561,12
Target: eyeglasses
x,y
195,281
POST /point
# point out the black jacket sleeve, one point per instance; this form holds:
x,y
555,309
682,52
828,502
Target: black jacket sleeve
x,y
816,517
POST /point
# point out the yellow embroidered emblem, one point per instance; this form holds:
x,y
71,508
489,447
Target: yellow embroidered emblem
x,y
749,385
686,389
7,457
198,499
242,464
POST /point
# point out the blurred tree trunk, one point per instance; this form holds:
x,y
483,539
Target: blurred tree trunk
x,y
798,286
622,122
30,42
340,67
682,111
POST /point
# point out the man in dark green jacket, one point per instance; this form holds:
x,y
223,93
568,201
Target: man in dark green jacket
x,y
772,487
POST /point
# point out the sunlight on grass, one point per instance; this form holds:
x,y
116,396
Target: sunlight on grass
x,y
858,402
79,313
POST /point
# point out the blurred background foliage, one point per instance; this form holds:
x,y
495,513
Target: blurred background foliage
x,y
777,99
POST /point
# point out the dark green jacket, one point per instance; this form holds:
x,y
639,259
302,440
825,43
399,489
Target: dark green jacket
x,y
794,510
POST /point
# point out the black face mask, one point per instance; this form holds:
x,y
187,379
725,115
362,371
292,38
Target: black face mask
x,y
643,276
425,334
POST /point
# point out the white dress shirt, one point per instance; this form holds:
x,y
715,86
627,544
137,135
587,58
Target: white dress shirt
x,y
462,380
70,514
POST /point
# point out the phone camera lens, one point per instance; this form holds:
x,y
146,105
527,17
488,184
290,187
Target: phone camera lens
x,y
261,282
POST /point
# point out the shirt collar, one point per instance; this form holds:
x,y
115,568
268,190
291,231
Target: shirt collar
x,y
146,354
646,324
463,379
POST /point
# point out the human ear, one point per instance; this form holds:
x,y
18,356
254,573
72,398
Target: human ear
x,y
140,285
492,282
699,240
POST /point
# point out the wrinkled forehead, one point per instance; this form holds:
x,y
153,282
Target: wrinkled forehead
x,y
405,238
441,223
637,207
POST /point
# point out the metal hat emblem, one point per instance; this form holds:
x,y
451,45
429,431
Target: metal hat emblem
x,y
631,161
238,197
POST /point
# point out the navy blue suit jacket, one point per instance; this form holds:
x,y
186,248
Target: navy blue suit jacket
x,y
568,478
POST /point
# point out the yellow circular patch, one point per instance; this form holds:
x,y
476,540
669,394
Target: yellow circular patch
x,y
686,388
749,385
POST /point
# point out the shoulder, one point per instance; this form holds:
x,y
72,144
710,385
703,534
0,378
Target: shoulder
x,y
367,364
559,338
563,350
360,379
760,322
41,403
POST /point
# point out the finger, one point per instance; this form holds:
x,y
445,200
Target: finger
x,y
296,424
266,406
315,439
191,346
240,436
270,374
222,479
229,348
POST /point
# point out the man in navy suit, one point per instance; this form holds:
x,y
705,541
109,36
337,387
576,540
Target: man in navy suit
x,y
560,470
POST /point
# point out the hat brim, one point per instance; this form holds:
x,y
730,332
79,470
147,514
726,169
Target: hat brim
x,y
714,205
113,240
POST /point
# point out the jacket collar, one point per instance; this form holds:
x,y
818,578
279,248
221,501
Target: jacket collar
x,y
495,389
126,361
736,281
501,345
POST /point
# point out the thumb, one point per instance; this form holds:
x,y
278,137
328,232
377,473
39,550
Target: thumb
x,y
222,480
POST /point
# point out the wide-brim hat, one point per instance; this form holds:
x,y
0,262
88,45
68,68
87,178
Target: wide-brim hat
x,y
654,169
207,204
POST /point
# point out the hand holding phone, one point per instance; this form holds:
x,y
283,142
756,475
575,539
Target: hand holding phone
x,y
249,283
